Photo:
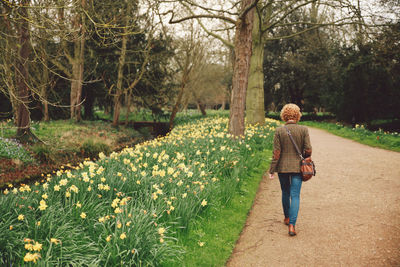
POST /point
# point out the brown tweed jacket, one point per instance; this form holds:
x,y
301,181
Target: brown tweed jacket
x,y
285,158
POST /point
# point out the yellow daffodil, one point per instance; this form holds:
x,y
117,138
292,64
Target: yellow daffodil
x,y
31,257
161,231
37,246
42,205
55,241
29,247
73,188
118,210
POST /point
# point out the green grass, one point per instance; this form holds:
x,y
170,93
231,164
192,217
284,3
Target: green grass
x,y
381,139
139,115
185,116
63,138
59,130
211,240
62,142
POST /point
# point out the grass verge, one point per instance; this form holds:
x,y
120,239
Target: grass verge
x,y
133,207
211,240
381,139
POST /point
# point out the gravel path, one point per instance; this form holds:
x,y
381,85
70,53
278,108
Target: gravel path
x,y
349,216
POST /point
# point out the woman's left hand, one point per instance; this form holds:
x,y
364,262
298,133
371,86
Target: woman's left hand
x,y
269,175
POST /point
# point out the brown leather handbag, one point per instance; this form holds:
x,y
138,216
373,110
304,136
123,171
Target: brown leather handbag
x,y
307,166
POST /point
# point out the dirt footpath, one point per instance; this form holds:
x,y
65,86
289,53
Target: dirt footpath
x,y
349,215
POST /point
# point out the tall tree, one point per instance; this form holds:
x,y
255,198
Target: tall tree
x,y
189,57
255,92
121,64
242,48
77,62
22,74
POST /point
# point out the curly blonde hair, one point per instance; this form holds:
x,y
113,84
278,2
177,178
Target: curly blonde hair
x,y
290,112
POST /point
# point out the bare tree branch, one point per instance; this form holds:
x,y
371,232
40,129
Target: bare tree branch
x,y
225,42
287,13
171,21
319,25
208,9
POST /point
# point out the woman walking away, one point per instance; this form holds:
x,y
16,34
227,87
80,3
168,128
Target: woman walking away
x,y
286,162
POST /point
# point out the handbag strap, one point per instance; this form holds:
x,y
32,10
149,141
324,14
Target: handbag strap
x,y
293,142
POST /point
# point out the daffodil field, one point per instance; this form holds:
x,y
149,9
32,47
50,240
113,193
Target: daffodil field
x,y
128,208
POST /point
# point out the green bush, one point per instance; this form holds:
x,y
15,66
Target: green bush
x,y
91,148
306,116
42,152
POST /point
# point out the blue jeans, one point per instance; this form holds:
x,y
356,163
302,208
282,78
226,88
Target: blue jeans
x,y
291,186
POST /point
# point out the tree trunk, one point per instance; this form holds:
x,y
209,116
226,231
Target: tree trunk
x,y
177,104
128,101
74,84
78,65
23,92
10,61
43,93
121,63
243,43
185,103
255,113
202,108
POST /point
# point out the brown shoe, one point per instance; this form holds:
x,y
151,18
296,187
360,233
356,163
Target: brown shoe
x,y
292,231
286,220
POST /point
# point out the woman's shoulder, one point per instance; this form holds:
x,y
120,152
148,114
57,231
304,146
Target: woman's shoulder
x,y
283,127
302,128
293,128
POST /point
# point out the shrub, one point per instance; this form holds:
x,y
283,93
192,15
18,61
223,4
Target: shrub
x,y
306,116
42,152
91,148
